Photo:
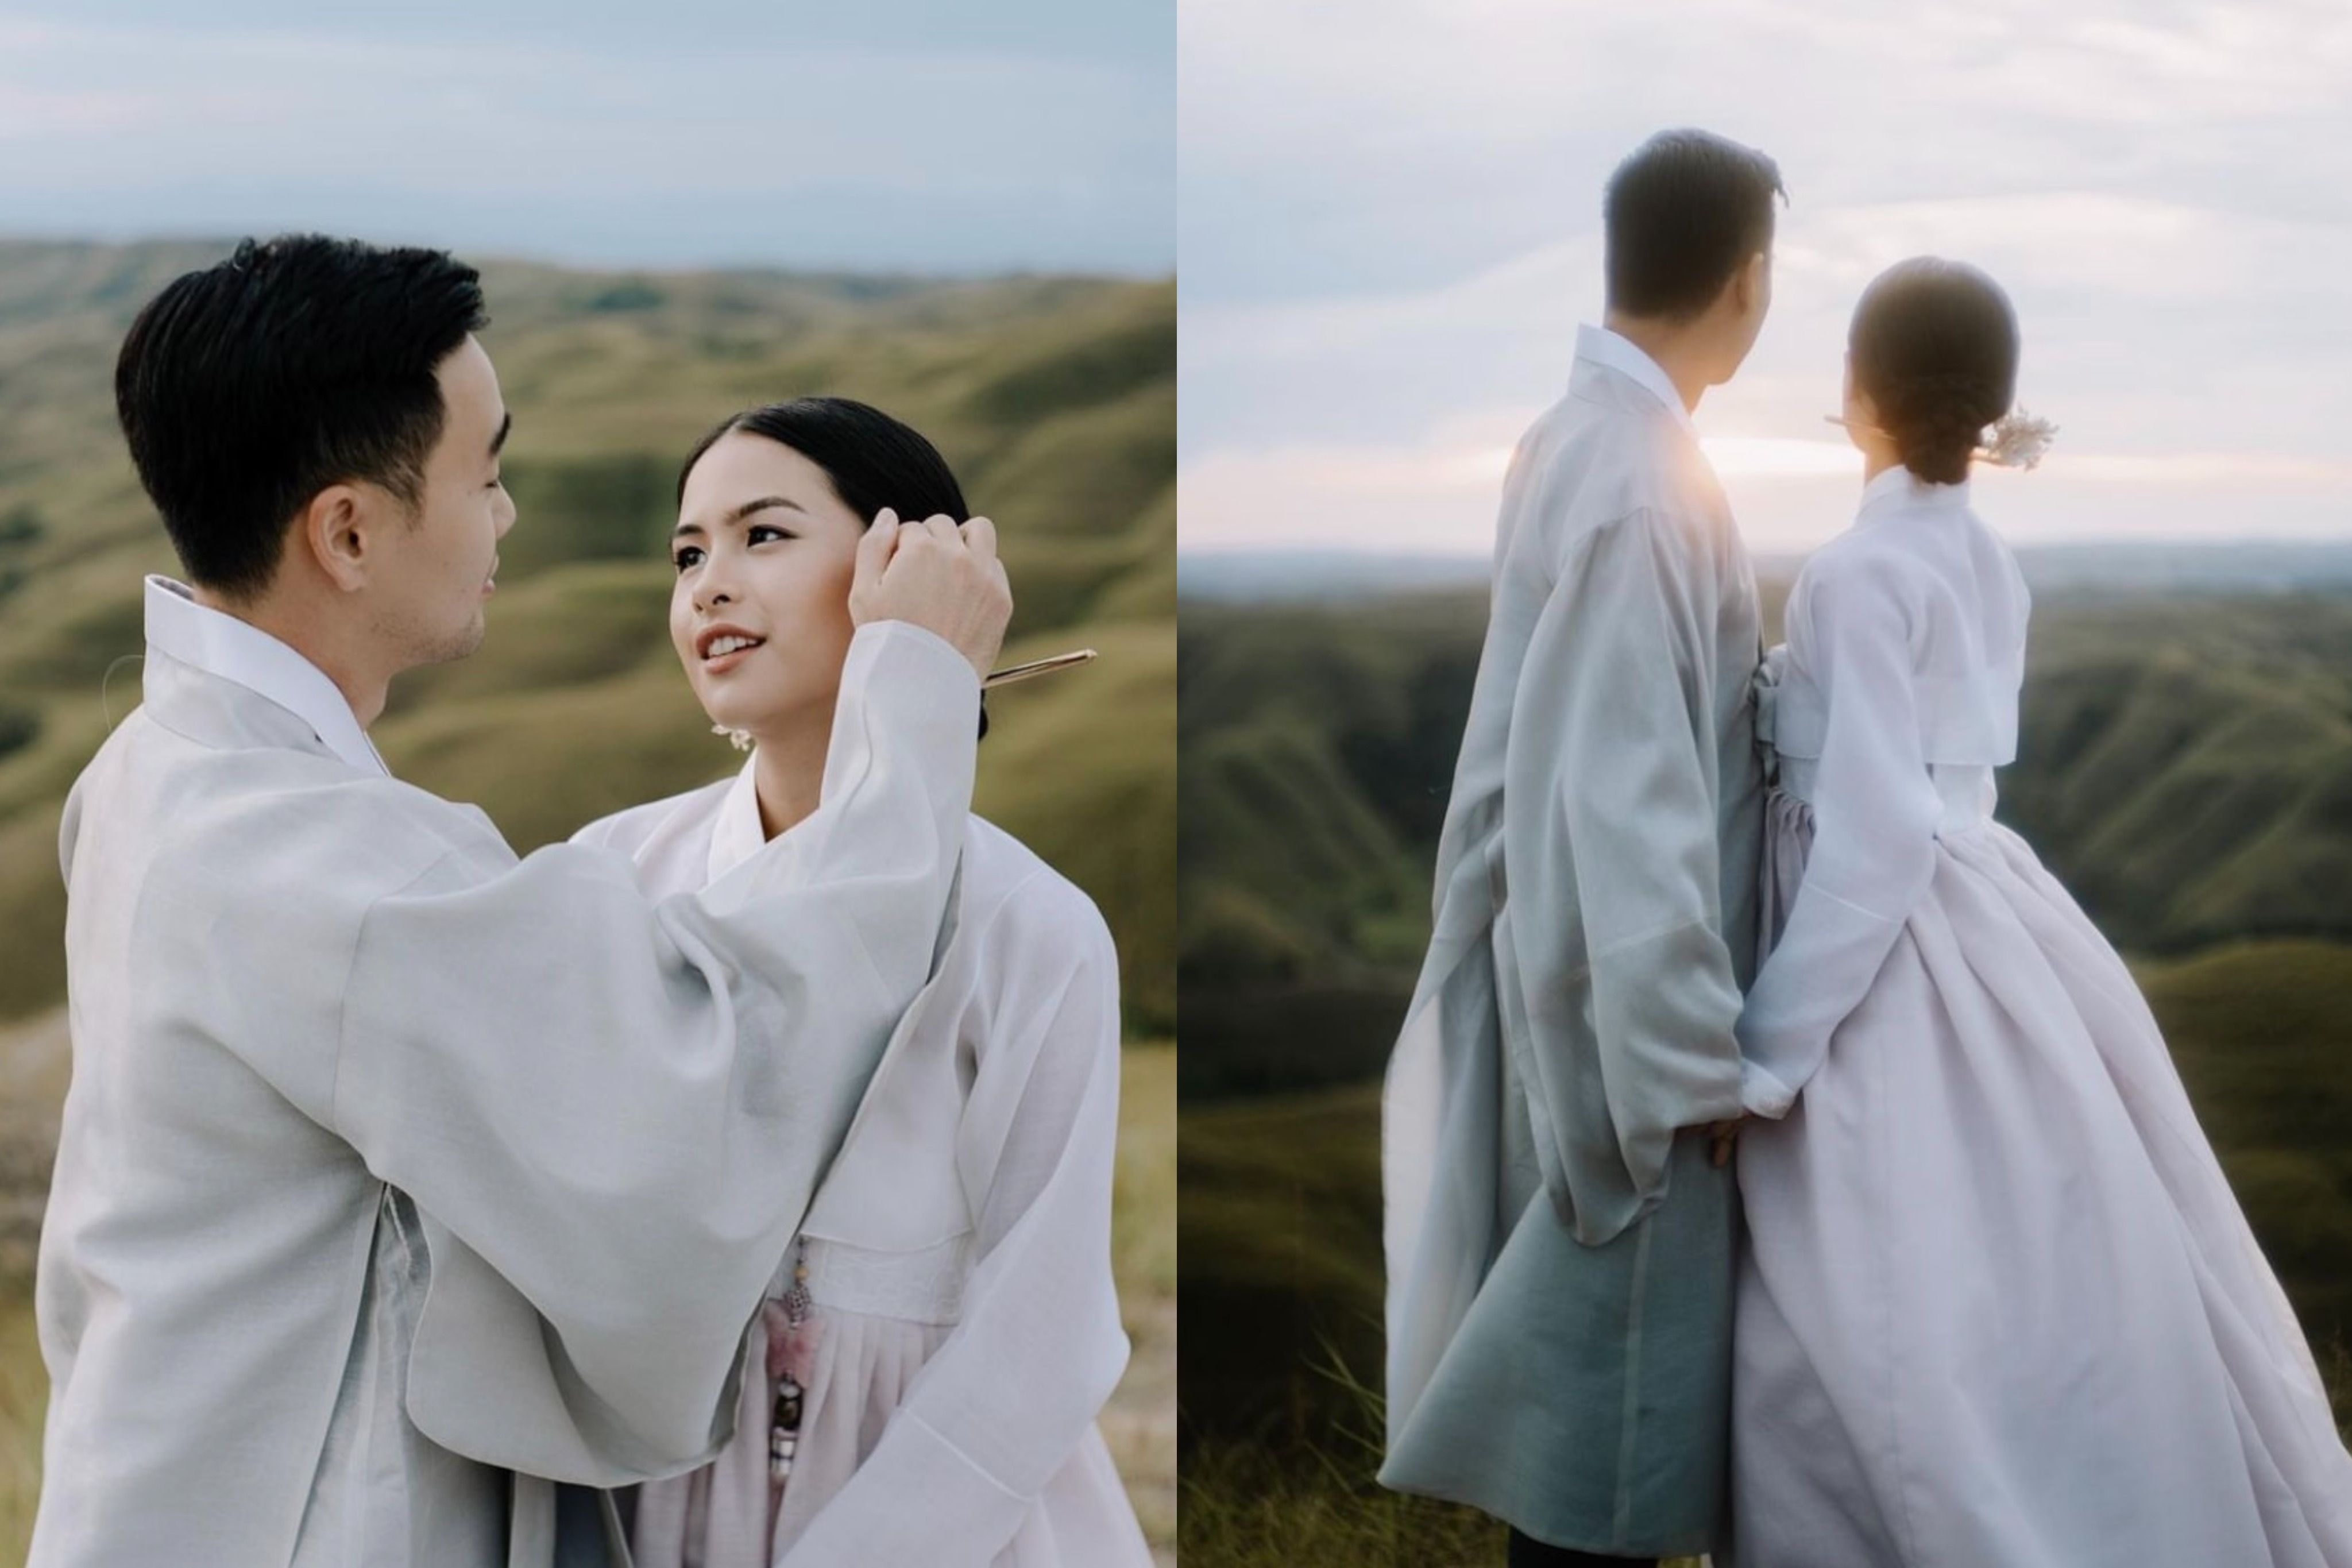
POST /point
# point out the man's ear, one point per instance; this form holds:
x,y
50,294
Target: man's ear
x,y
339,531
1755,283
1741,292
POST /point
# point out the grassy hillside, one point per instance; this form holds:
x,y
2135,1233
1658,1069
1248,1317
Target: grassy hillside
x,y
1280,1225
1054,399
2185,766
1281,1291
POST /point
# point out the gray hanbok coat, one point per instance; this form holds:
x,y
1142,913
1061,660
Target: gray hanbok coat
x,y
392,1163
1559,1250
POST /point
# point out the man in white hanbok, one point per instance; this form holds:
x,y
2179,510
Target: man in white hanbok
x,y
1560,1245
392,1164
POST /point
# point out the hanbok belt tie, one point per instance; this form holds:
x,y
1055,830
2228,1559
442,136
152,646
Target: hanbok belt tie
x,y
1967,793
922,1286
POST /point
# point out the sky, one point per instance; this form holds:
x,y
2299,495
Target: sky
x,y
922,135
1390,229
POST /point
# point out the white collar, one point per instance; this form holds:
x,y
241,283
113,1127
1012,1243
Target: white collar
x,y
235,650
738,834
1621,354
1900,481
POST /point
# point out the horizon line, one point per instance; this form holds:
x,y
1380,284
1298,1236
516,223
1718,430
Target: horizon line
x,y
2129,541
649,269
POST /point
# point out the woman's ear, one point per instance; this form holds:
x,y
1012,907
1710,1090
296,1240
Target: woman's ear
x,y
1861,425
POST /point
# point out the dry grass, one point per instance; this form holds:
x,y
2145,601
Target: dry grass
x,y
1244,1509
23,1399
1258,1503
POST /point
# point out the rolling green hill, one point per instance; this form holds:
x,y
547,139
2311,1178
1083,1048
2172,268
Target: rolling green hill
x,y
1054,398
2185,766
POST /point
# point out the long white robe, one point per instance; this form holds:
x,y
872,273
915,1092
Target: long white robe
x,y
390,1162
958,1250
1998,1304
1560,1251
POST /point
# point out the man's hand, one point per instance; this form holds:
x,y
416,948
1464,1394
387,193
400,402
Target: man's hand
x,y
1722,1138
941,578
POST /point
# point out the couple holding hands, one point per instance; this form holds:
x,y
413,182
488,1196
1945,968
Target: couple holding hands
x,y
1976,1292
730,1186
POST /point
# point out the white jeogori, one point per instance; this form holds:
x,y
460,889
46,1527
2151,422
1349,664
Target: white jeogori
x,y
1998,1304
966,1329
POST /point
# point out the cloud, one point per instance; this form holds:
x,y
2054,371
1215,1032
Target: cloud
x,y
1390,225
945,156
1426,137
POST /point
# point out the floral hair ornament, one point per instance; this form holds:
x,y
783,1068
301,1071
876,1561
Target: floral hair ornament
x,y
2016,440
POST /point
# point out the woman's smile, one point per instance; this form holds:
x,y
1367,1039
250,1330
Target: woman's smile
x,y
722,646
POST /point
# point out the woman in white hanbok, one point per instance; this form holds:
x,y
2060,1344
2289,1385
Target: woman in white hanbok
x,y
1998,1308
923,1383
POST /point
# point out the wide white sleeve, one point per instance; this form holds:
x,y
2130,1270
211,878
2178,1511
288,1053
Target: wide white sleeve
x,y
1006,1400
1875,812
611,1112
1619,992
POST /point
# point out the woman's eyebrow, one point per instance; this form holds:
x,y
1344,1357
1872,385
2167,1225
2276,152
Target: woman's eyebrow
x,y
736,514
763,504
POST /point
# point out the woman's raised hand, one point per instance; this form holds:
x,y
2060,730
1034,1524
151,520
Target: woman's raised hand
x,y
941,578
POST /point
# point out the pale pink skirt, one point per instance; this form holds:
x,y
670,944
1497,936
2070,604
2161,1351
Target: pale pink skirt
x,y
1998,1304
717,1517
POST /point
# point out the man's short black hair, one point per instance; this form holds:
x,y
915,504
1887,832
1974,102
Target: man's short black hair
x,y
304,361
1683,214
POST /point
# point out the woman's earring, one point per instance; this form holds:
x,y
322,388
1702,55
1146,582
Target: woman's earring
x,y
740,738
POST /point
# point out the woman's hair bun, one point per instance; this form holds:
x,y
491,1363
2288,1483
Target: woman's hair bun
x,y
1934,345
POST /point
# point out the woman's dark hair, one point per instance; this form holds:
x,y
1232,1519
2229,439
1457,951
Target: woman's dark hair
x,y
1683,214
1934,345
873,460
246,388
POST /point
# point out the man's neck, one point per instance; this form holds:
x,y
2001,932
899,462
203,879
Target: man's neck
x,y
364,689
1674,349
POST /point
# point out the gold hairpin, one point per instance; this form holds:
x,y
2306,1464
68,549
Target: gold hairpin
x,y
1038,666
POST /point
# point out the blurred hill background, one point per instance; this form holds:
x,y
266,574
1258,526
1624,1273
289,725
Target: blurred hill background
x,y
2185,767
1054,398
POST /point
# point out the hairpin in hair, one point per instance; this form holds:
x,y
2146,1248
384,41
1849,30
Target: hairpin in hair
x,y
1035,667
1852,427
